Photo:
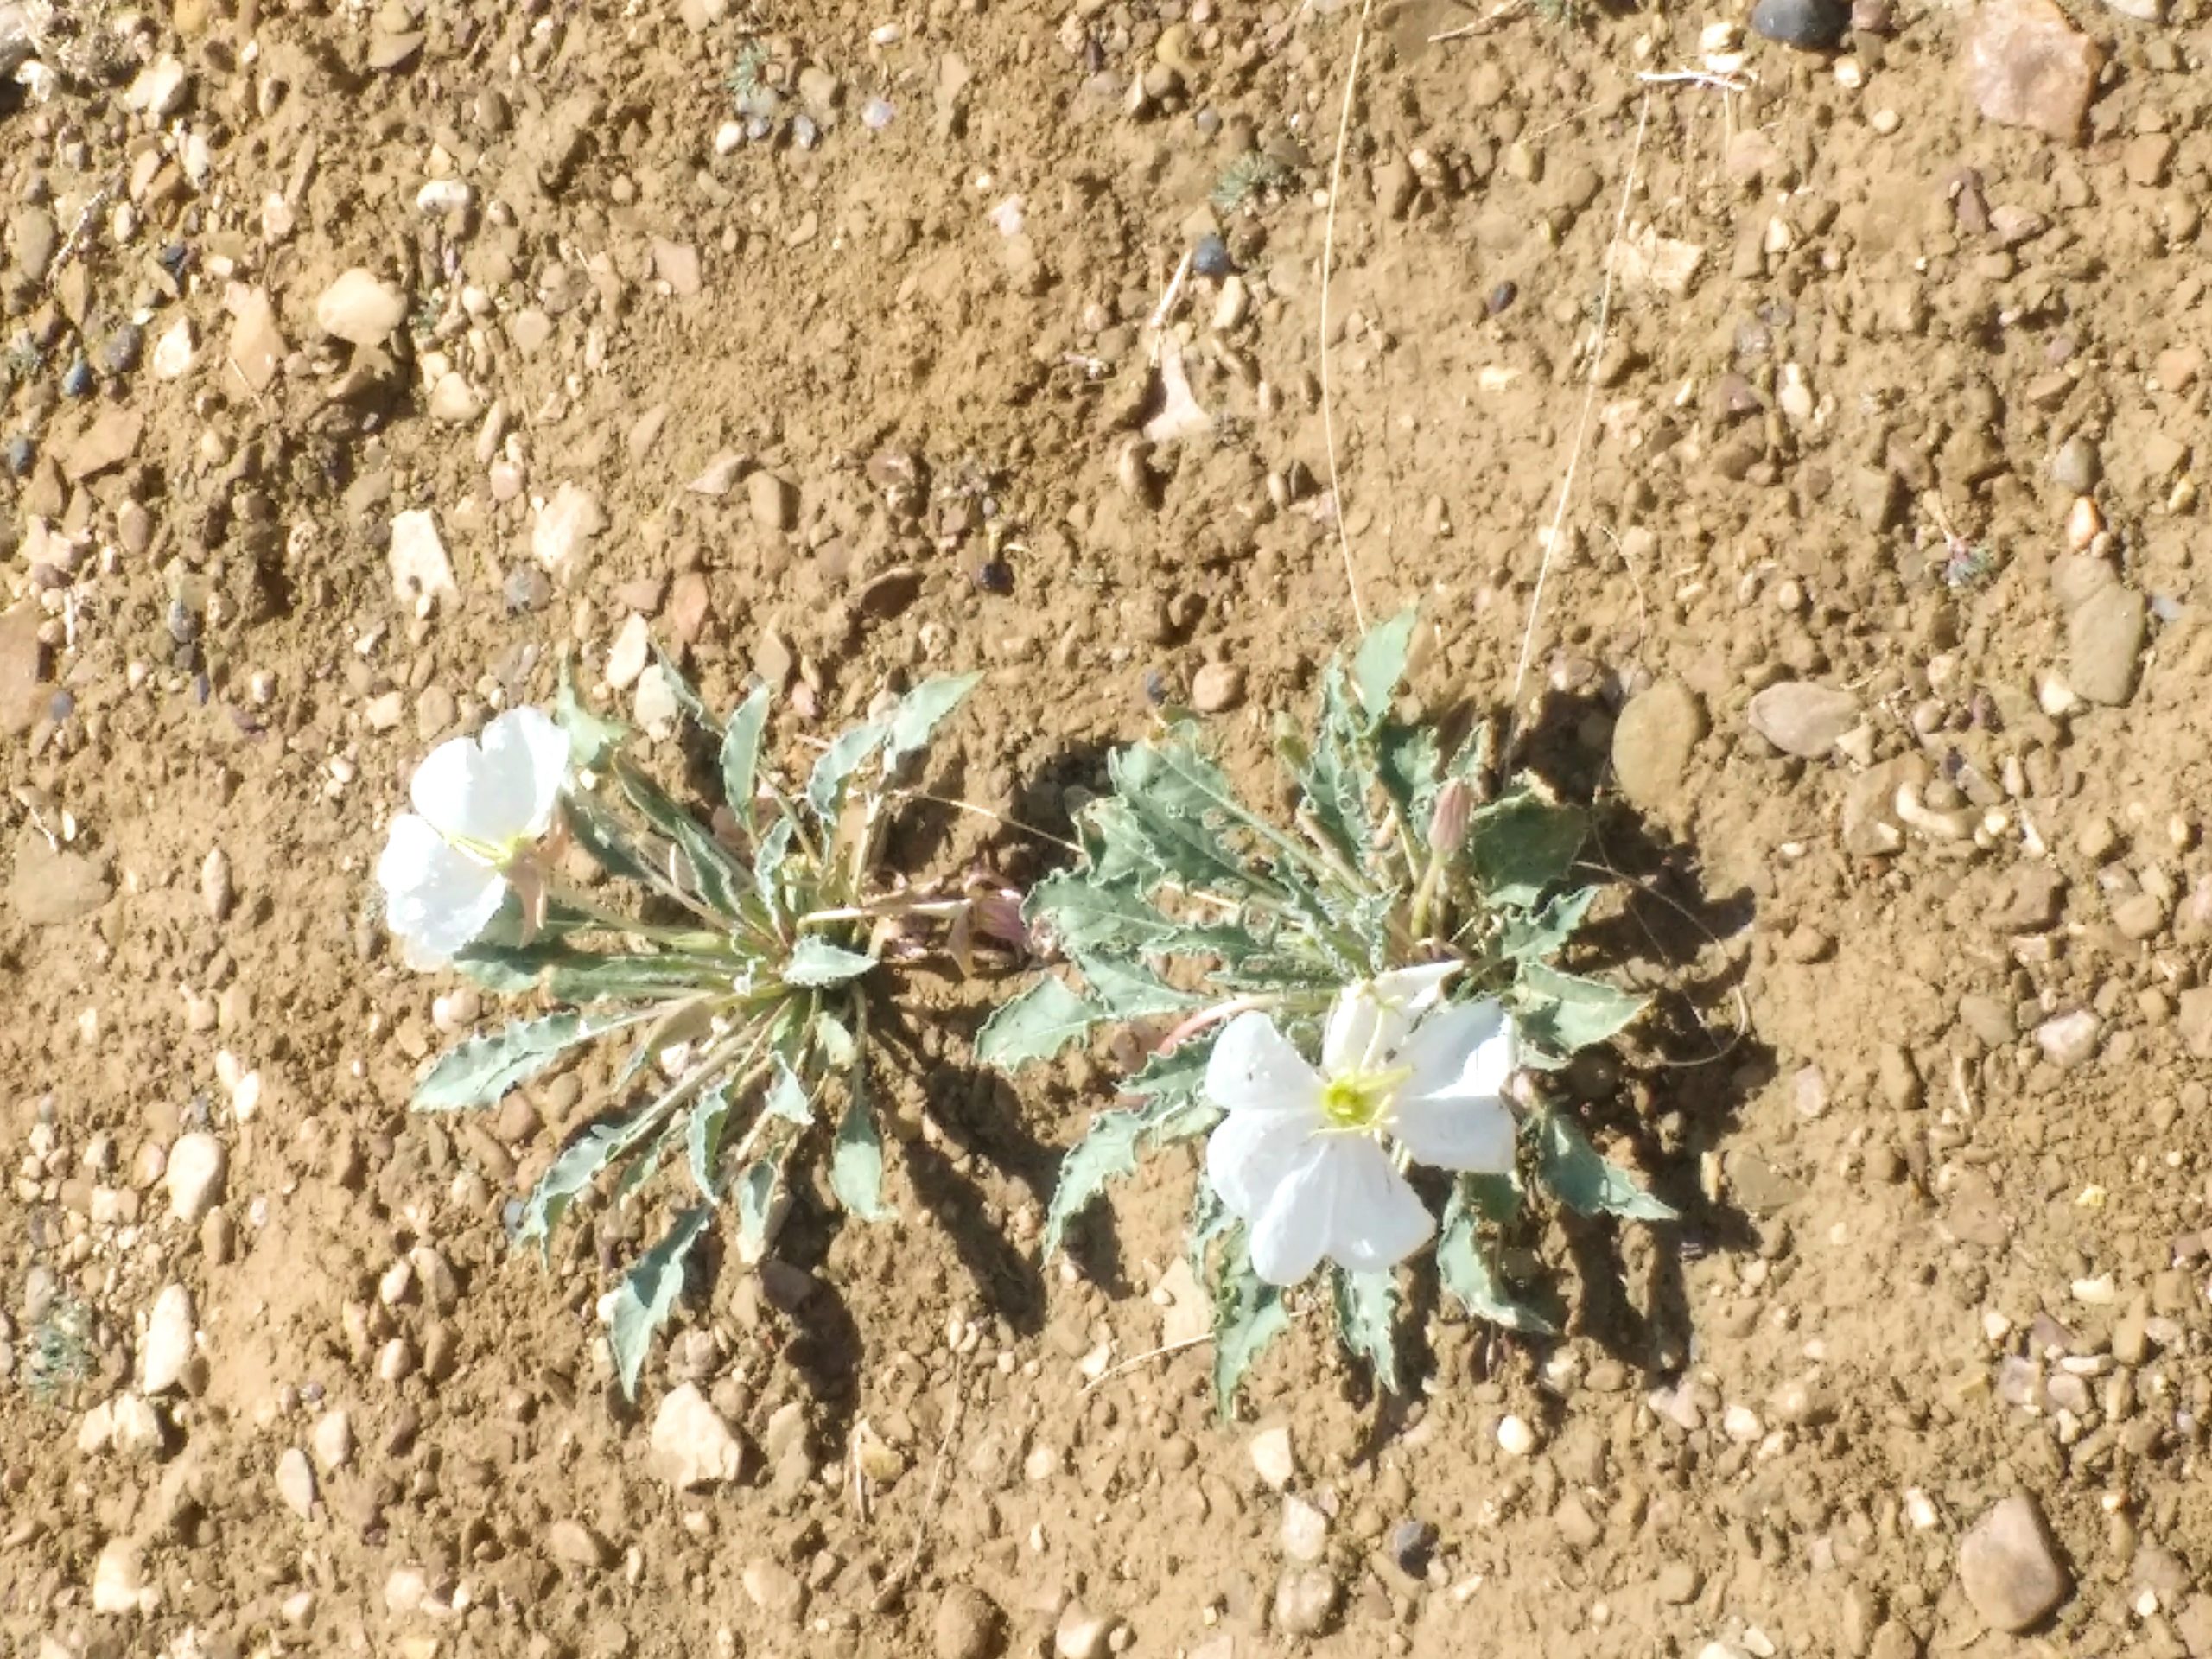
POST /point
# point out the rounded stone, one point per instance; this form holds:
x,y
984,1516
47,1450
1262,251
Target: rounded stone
x,y
969,1625
1808,25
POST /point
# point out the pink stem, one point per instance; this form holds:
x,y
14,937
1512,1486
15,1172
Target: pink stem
x,y
1212,1016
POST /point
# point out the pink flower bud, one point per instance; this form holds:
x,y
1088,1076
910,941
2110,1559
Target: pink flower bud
x,y
1448,819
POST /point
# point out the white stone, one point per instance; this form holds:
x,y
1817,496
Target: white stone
x,y
159,89
296,1483
332,1440
360,307
626,659
2067,1040
1272,1458
1741,1424
454,401
1516,1437
172,353
198,1164
119,1580
421,573
442,196
167,1347
690,1445
96,1430
656,709
564,524
1081,1634
138,1426
1305,1530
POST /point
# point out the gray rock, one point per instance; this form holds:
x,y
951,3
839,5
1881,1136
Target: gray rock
x,y
1802,719
2067,1040
1305,1601
32,230
2075,467
1305,1530
2104,636
2009,1567
1808,25
969,1625
1652,741
775,1589
774,501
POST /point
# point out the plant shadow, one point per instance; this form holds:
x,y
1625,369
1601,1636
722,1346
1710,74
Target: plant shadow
x,y
1675,1092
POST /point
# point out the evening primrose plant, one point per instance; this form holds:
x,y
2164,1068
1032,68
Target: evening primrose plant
x,y
738,964
1395,930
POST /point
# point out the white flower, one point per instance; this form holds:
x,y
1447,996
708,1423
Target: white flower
x,y
479,802
1304,1158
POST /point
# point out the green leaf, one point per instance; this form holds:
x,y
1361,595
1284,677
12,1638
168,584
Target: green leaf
x,y
1036,1025
591,736
918,713
585,978
756,1202
857,1162
1248,1315
814,961
1106,1151
1560,1014
1521,844
741,735
576,1165
685,693
1210,1219
641,1306
1334,778
787,1098
1584,1181
703,1137
721,881
1534,937
768,863
1463,1264
1167,817
1409,771
480,1070
1380,663
611,846
1367,1311
1108,1147
1129,990
825,788
836,1043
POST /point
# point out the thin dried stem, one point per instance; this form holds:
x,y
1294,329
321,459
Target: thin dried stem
x,y
1137,1362
1581,430
1328,263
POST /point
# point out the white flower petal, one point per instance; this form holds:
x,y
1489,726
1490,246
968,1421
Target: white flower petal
x,y
526,756
1374,1219
448,898
1340,1200
1253,1067
1467,1051
1448,1133
1287,1237
1370,1018
1251,1154
409,849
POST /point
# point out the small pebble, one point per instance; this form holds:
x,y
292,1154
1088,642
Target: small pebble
x,y
1516,1437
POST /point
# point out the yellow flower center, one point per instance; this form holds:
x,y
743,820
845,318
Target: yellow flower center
x,y
1360,1101
494,855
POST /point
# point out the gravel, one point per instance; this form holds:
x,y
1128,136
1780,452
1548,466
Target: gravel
x,y
2009,1568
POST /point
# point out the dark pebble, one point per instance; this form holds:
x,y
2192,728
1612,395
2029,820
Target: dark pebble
x,y
183,626
1210,256
1156,689
19,452
1501,296
526,589
1808,25
996,576
174,258
1412,1542
119,351
1874,16
77,380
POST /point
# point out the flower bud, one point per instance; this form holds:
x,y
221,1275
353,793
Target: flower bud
x,y
1448,819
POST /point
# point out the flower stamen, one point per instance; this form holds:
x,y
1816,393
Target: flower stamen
x,y
1360,1101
